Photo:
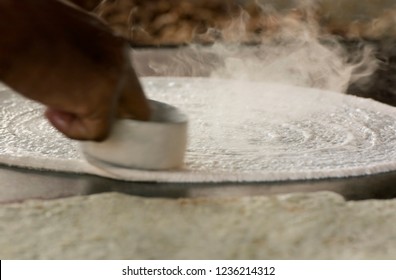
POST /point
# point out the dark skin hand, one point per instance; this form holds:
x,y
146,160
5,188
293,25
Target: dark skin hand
x,y
62,57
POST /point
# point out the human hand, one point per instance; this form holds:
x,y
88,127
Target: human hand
x,y
71,62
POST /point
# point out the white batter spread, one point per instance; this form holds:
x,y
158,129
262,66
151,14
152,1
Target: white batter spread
x,y
239,131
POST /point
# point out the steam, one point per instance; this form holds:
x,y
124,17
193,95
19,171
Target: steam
x,y
291,48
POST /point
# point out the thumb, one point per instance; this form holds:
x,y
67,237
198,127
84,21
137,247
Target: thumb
x,y
132,102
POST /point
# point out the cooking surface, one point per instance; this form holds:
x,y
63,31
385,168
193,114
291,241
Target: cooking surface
x,y
19,184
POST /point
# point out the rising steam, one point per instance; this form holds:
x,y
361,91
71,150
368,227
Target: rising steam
x,y
291,49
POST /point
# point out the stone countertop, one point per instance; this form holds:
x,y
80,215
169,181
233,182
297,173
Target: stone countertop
x,y
116,226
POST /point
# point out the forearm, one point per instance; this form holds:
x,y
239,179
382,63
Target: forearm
x,y
25,34
13,33
42,36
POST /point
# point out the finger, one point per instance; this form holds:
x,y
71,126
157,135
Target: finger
x,y
132,102
77,128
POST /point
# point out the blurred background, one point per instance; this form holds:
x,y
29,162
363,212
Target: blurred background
x,y
173,22
354,25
